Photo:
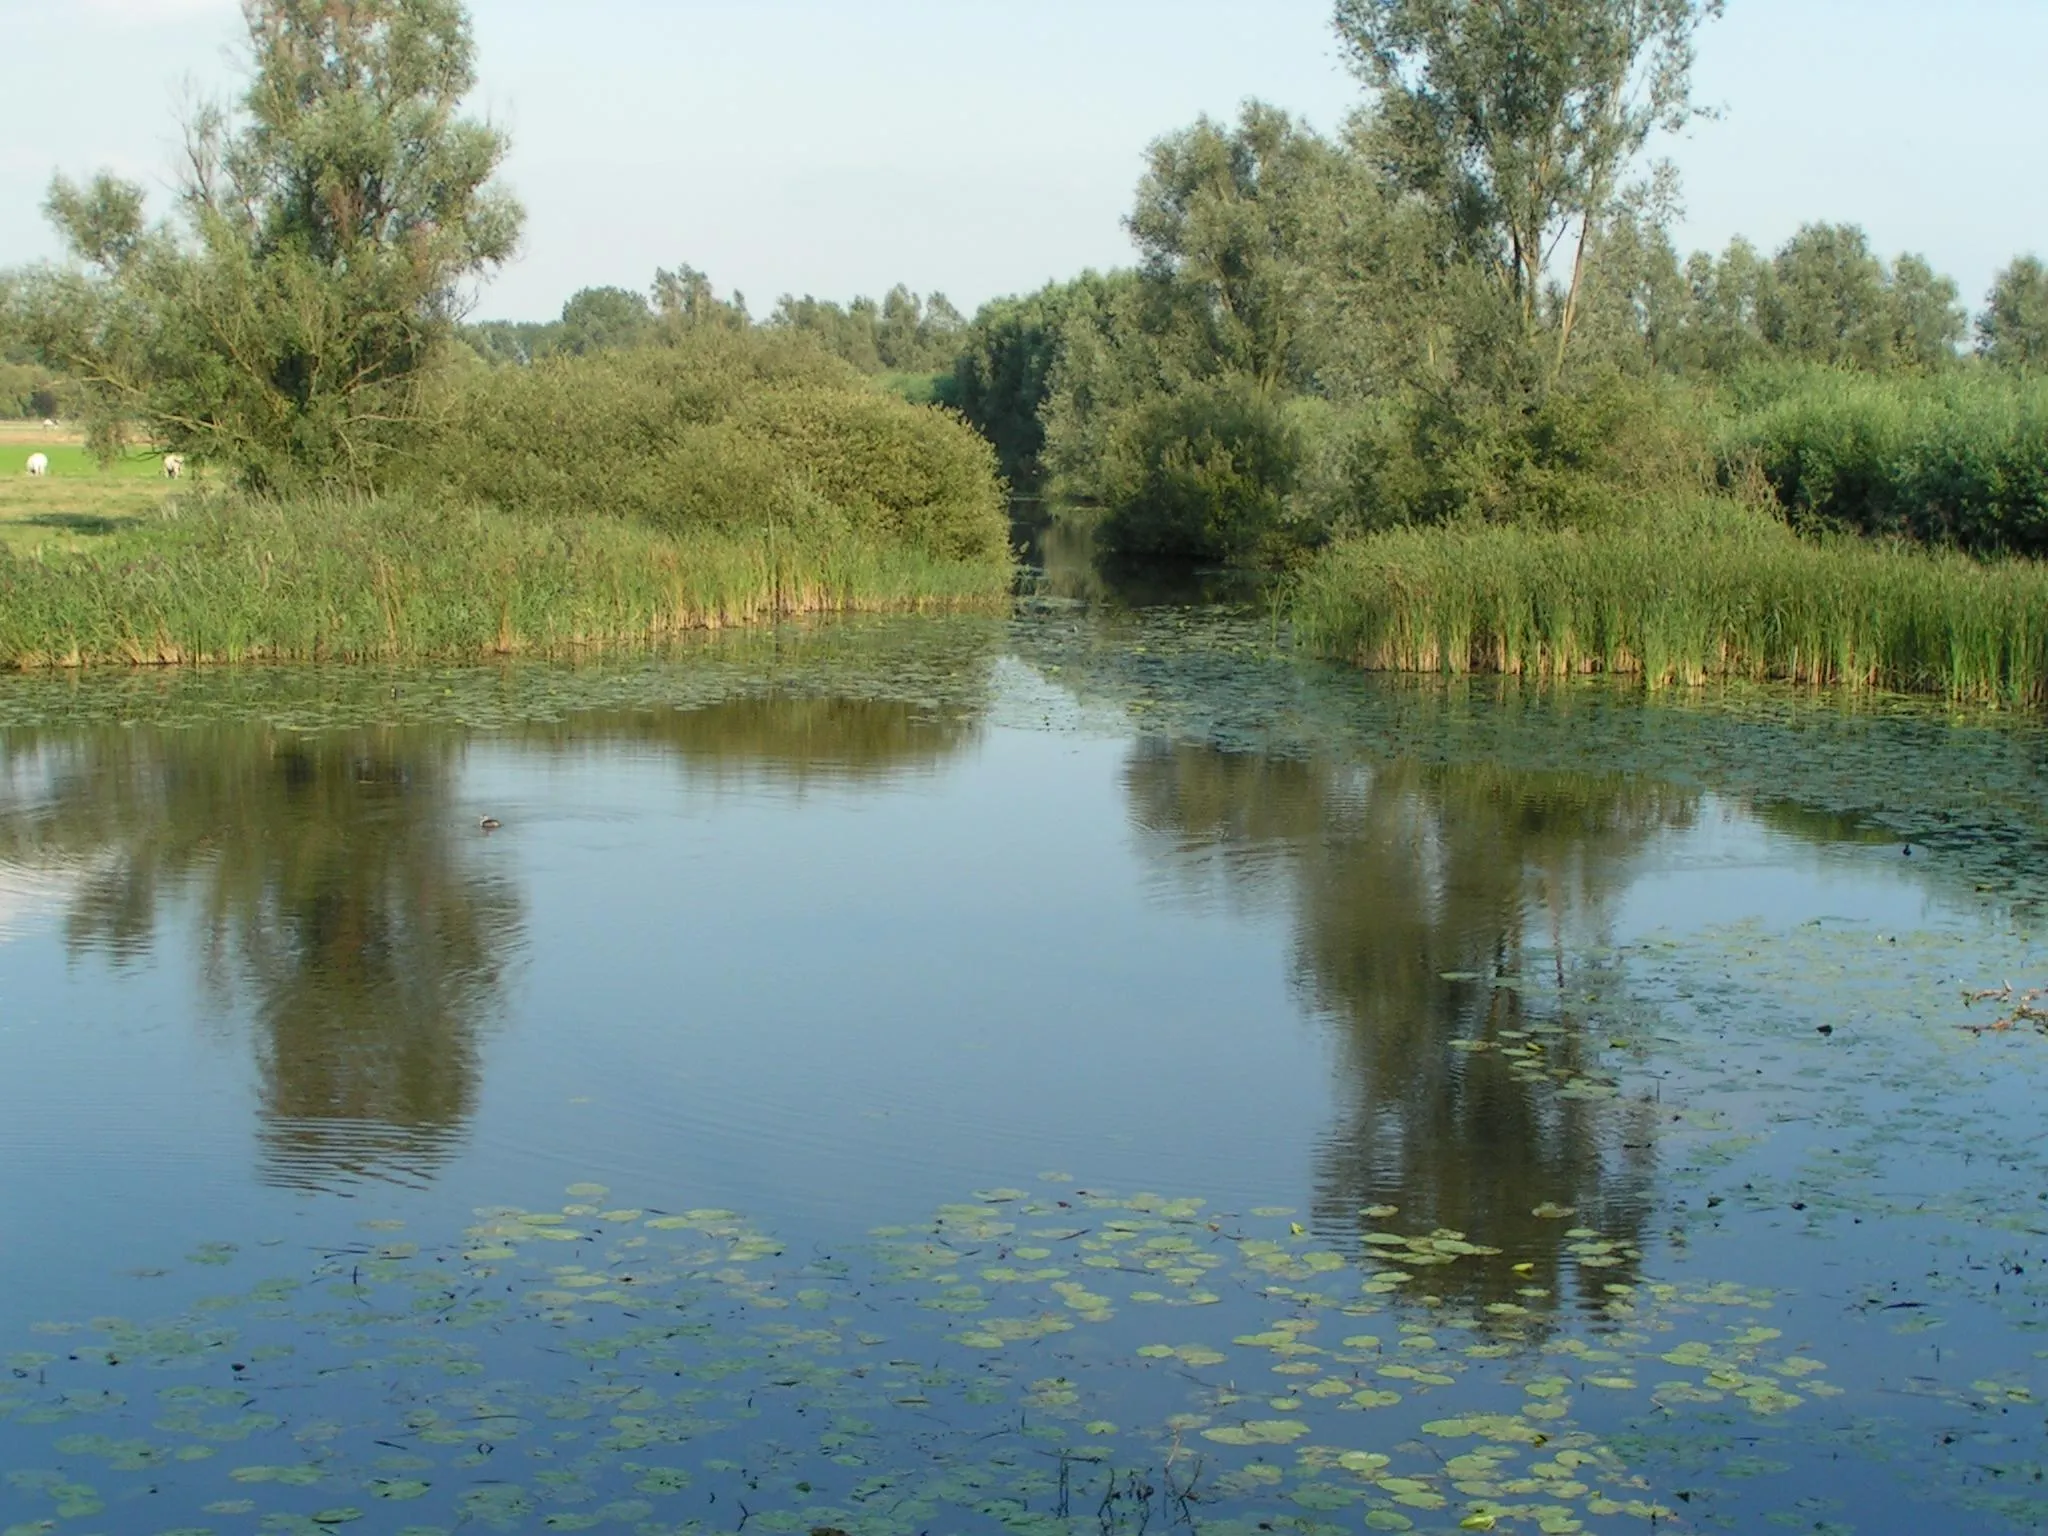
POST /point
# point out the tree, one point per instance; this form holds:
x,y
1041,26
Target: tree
x,y
1927,324
686,297
1727,301
1522,118
604,320
1827,301
1223,226
2013,330
1635,312
1003,371
1831,300
290,322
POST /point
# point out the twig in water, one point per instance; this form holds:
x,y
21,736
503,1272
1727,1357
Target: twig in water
x,y
2017,1008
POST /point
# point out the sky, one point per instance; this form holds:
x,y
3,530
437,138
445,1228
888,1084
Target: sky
x,y
834,148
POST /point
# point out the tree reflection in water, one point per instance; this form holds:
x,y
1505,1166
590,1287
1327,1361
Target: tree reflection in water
x,y
341,895
337,897
1405,881
793,739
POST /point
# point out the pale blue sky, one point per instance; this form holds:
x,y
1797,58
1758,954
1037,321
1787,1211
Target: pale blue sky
x,y
828,147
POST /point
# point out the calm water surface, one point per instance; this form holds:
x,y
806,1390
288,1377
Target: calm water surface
x,y
1079,1073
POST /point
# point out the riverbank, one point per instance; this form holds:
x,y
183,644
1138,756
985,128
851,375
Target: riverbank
x,y
1693,591
225,579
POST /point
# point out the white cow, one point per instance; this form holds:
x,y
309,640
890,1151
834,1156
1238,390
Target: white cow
x,y
49,425
174,466
39,464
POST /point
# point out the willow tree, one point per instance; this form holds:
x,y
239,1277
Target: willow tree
x,y
1224,223
288,321
2013,330
1523,120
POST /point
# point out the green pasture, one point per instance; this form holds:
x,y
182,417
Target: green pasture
x,y
72,460
79,502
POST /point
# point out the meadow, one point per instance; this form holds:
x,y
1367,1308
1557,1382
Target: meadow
x,y
79,503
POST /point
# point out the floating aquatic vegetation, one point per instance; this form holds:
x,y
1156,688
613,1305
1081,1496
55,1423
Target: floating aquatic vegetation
x,y
1057,1362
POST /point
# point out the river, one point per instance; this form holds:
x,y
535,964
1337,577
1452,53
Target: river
x,y
1087,1071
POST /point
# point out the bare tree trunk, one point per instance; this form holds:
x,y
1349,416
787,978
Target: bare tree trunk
x,y
1571,301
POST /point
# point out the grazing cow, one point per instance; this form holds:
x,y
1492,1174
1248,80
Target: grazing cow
x,y
174,466
39,464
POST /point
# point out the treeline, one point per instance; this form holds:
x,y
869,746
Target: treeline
x,y
1467,304
1312,345
30,389
904,333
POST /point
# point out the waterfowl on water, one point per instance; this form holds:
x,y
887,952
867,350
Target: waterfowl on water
x,y
489,823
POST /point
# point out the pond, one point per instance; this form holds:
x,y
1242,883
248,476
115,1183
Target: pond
x,y
1080,1072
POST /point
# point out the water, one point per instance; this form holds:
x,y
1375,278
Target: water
x,y
1084,1072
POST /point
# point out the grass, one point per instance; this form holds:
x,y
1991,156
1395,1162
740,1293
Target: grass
x,y
214,578
1689,592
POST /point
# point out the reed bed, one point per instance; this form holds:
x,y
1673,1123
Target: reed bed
x,y
223,579
1706,590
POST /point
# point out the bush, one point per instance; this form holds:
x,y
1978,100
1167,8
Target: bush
x,y
1960,460
1578,456
1203,475
727,431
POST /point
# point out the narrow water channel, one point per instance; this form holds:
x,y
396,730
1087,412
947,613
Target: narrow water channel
x,y
1073,1073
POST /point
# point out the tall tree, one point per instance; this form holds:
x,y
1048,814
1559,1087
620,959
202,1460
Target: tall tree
x,y
604,320
1729,298
1223,226
1524,117
2013,330
1827,301
1927,323
686,297
289,322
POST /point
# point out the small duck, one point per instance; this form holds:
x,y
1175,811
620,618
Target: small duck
x,y
489,823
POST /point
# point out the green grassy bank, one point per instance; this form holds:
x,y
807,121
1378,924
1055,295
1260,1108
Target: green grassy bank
x,y
225,579
1689,592
586,502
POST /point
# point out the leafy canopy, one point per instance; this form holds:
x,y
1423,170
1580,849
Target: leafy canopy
x,y
2013,330
289,323
1521,118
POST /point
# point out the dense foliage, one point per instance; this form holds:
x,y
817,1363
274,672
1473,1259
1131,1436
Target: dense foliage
x,y
1307,349
712,428
1958,460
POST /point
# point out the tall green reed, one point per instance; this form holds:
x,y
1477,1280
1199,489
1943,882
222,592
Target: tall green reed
x,y
1690,592
228,579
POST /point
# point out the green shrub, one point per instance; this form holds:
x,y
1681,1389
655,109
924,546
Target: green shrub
x,y
733,431
1959,460
1203,475
1579,455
